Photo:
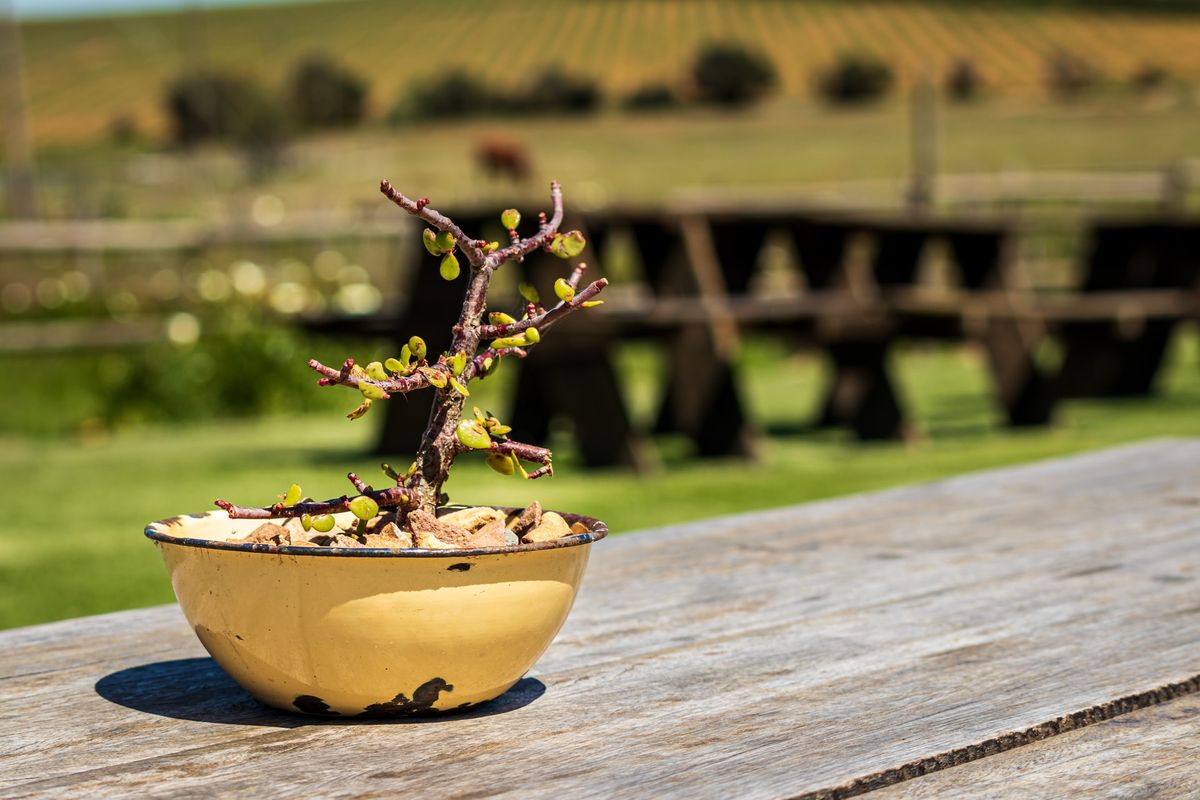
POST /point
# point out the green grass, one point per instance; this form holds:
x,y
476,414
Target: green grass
x,y
71,542
614,158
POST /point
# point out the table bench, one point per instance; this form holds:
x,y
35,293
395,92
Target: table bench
x,y
1033,631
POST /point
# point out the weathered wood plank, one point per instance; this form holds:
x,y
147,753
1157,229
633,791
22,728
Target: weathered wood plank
x,y
1148,753
767,655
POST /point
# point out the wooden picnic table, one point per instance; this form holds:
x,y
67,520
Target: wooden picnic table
x,y
1027,632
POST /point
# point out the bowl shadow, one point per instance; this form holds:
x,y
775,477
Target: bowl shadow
x,y
198,690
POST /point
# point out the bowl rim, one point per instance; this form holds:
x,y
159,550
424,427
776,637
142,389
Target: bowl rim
x,y
155,530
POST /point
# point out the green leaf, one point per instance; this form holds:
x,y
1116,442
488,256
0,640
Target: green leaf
x,y
306,521
449,268
491,247
416,346
458,387
375,371
362,409
472,434
445,241
510,218
322,523
458,362
573,244
501,463
391,473
508,341
371,391
436,377
500,430
394,365
363,507
500,318
532,335
429,238
592,303
529,293
564,290
293,495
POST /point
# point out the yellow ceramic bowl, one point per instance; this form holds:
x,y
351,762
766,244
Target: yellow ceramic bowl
x,y
370,632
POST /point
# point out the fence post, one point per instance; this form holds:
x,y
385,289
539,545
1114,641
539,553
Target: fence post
x,y
924,132
15,106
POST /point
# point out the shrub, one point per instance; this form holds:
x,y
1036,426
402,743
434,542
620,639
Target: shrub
x,y
1149,77
1068,75
730,75
555,90
237,370
324,94
855,78
963,81
210,105
457,94
651,97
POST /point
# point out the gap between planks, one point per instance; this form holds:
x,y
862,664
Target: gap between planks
x,y
1006,741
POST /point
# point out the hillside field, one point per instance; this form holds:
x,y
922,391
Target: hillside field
x,y
81,74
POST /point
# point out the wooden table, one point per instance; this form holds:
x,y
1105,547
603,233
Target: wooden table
x,y
1021,633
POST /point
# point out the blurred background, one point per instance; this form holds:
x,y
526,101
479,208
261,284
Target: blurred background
x,y
853,245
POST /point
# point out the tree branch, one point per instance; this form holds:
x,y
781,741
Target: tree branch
x,y
547,318
397,384
420,209
386,498
519,249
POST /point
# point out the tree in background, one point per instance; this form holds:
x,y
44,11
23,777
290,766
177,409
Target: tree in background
x,y
855,78
325,94
728,74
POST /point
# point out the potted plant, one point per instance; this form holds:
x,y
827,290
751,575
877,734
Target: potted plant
x,y
385,602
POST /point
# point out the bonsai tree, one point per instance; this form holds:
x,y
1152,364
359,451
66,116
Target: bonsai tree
x,y
478,346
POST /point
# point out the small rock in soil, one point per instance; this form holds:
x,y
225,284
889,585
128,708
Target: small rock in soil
x,y
579,527
527,520
428,541
342,540
551,527
389,542
473,518
400,538
449,534
491,535
381,522
267,533
511,539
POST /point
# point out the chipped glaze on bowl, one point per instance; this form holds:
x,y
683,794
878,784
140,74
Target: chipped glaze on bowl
x,y
368,631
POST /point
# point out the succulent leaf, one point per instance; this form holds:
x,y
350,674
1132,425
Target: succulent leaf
x,y
371,391
363,507
564,290
416,346
500,463
529,292
472,434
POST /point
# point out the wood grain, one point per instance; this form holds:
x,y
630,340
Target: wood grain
x,y
820,650
1148,753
